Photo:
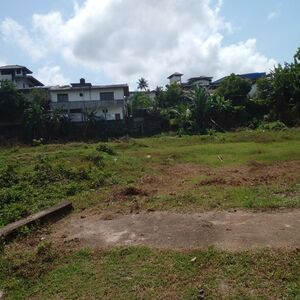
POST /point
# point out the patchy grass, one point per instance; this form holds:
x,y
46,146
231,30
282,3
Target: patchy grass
x,y
33,178
142,273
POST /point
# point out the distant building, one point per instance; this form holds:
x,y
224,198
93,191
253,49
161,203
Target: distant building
x,y
175,77
203,81
107,102
20,76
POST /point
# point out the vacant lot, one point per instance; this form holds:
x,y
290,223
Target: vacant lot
x,y
256,171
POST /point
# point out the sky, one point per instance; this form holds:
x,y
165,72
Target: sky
x,y
119,41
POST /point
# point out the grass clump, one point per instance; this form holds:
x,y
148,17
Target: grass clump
x,y
106,149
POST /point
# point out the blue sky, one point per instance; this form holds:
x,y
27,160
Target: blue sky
x,y
111,41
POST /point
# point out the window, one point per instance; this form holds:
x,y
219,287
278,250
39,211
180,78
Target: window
x,y
107,96
76,111
18,71
62,97
117,116
81,94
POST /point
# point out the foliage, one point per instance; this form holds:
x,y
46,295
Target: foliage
x,y
105,148
234,88
12,103
171,97
141,100
273,126
281,91
142,84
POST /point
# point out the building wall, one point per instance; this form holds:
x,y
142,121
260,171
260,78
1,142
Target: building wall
x,y
88,94
90,99
175,79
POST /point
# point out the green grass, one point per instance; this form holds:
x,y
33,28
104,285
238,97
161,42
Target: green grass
x,y
142,273
33,178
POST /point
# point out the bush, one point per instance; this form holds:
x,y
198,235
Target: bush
x,y
276,126
37,142
8,176
106,149
96,159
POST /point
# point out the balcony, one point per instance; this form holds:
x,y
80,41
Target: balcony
x,y
91,104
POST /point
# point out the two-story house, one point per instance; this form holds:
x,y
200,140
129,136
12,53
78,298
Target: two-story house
x,y
20,76
106,102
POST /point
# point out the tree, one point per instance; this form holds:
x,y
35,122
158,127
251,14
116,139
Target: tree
x,y
200,108
37,113
171,97
282,91
142,84
234,88
141,100
12,103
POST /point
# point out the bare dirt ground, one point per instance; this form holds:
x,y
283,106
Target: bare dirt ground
x,y
227,230
180,177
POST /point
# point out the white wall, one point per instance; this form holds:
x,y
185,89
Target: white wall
x,y
175,79
92,95
88,94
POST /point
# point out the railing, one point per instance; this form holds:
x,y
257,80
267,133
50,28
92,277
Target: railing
x,y
87,104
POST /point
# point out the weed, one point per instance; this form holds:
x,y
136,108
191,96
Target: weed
x,y
105,148
96,159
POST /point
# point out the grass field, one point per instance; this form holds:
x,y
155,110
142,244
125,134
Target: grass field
x,y
179,173
245,170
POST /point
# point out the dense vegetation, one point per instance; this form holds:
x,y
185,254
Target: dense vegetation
x,y
277,99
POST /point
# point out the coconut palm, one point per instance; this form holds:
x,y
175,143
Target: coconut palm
x,y
142,84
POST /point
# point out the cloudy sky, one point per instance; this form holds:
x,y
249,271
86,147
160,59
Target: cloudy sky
x,y
118,41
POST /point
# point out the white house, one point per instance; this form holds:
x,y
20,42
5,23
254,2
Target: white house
x,y
107,102
20,76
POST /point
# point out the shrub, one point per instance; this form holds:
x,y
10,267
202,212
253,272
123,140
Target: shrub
x,y
277,126
106,149
37,142
8,176
96,159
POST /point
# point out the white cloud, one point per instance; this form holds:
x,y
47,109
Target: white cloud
x,y
15,33
133,38
51,76
273,15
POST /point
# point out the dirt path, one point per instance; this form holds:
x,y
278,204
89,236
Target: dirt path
x,y
236,230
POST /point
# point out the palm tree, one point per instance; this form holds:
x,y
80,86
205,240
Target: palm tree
x,y
142,84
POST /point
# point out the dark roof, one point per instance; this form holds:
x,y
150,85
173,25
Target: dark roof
x,y
250,76
253,76
34,81
175,74
200,77
8,67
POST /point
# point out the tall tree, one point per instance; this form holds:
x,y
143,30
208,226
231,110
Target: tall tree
x,y
234,88
142,84
12,103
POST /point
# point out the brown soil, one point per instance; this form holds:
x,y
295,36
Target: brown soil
x,y
256,174
233,231
179,177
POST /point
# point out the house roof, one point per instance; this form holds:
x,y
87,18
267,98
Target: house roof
x,y
34,81
250,76
8,67
93,87
175,74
